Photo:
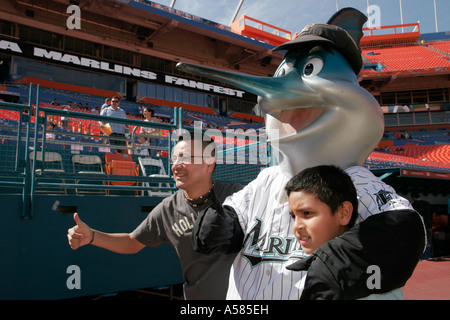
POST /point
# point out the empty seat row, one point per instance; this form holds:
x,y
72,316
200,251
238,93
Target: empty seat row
x,y
92,165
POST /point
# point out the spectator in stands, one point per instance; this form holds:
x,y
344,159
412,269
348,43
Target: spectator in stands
x,y
141,147
149,115
55,102
107,104
426,210
141,110
95,110
51,125
117,136
172,221
65,120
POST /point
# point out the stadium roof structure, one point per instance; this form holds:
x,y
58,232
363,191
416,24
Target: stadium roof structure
x,y
149,28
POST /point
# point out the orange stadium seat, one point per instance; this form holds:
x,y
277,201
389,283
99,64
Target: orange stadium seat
x,y
124,168
400,160
9,114
443,46
436,153
410,57
109,157
386,144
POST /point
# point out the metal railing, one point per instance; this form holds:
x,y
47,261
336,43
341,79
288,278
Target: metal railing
x,y
417,118
26,142
32,141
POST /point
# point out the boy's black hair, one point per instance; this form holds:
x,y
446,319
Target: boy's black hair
x,y
330,184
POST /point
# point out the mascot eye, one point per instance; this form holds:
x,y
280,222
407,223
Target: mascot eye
x,y
313,67
284,68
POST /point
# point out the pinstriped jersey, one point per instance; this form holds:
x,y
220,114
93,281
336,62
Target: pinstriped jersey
x,y
374,196
259,270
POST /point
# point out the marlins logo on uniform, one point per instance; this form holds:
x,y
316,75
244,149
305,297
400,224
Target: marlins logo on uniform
x,y
374,196
261,248
383,197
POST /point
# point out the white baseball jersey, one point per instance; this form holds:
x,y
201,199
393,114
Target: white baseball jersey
x,y
259,270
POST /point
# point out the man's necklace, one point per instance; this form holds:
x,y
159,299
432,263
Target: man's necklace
x,y
199,201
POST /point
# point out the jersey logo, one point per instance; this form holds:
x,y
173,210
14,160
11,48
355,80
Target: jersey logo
x,y
263,249
383,197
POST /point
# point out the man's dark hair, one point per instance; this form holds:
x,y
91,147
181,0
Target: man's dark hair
x,y
330,184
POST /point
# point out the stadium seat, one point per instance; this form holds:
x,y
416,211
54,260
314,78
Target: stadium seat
x,y
443,46
406,57
88,164
435,153
52,163
124,168
158,164
109,157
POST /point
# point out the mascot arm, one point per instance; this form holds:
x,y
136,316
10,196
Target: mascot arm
x,y
217,230
375,256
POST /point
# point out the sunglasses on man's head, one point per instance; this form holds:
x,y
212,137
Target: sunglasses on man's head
x,y
183,159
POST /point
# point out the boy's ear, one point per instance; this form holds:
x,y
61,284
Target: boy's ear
x,y
345,212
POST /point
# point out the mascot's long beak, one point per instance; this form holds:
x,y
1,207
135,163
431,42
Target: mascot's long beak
x,y
275,94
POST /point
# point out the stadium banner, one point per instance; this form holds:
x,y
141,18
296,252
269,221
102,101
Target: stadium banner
x,y
425,174
19,48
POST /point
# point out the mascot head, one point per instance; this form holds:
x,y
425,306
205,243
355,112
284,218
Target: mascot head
x,y
314,108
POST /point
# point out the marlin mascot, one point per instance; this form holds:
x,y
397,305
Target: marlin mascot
x,y
317,113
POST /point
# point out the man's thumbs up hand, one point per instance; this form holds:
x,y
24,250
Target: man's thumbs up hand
x,y
80,234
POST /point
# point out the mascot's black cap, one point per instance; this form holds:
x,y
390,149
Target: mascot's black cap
x,y
343,31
